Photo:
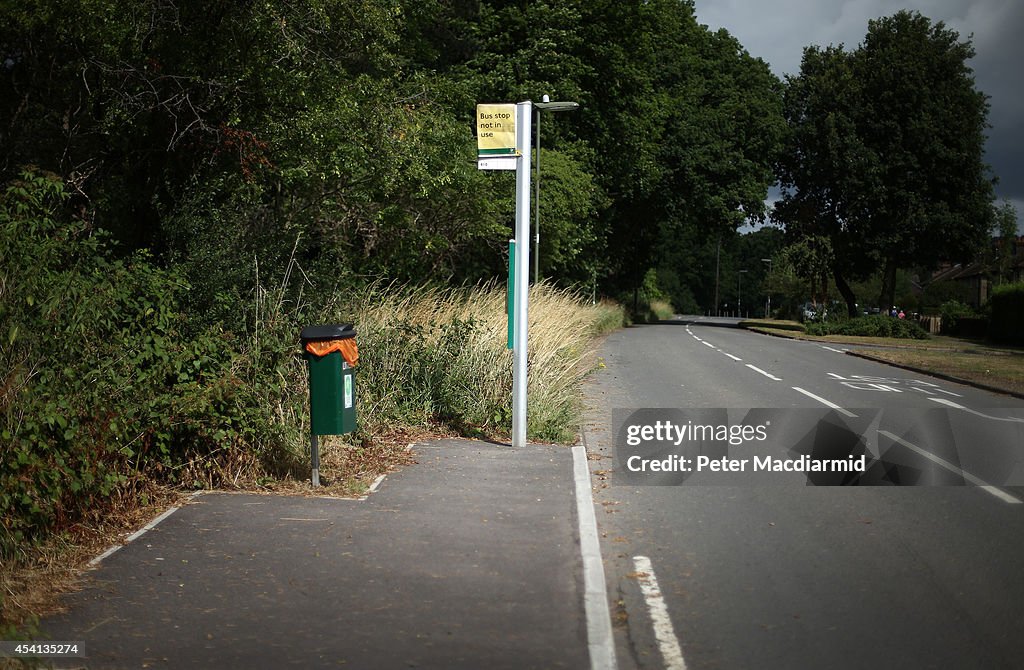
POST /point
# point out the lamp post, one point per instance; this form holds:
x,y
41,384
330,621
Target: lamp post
x,y
739,293
546,105
768,309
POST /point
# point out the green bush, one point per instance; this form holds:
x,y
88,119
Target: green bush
x,y
101,388
876,325
951,312
1007,306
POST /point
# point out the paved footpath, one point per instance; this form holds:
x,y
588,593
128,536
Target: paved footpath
x,y
469,559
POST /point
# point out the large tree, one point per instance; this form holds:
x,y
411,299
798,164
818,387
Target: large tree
x,y
886,151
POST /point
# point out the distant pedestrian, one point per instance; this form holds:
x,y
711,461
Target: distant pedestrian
x,y
892,312
902,315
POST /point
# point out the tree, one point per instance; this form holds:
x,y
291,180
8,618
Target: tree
x,y
885,151
826,169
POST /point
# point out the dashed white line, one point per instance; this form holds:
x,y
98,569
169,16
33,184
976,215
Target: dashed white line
x,y
838,351
985,486
708,344
668,643
766,374
826,403
735,358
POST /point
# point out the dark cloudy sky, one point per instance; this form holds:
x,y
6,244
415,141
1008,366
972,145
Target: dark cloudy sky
x,y
778,30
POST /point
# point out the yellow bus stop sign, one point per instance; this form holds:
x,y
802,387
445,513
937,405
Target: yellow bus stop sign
x,y
496,136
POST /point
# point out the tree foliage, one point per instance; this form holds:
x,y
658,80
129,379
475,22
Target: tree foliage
x,y
884,152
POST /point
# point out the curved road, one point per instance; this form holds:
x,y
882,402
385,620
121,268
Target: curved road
x,y
809,577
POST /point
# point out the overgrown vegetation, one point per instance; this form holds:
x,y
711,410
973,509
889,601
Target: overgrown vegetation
x,y
108,387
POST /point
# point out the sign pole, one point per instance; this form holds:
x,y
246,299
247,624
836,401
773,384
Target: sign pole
x,y
524,116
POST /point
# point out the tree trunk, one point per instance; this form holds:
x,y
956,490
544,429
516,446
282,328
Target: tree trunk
x,y
846,292
887,299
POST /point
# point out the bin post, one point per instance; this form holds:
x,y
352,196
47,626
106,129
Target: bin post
x,y
314,458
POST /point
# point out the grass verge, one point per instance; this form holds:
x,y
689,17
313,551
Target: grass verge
x,y
998,368
1002,371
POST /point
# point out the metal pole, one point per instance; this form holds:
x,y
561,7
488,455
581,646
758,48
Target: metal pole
x,y
524,116
314,458
739,293
718,253
536,211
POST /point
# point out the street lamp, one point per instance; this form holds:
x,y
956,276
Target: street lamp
x,y
544,106
739,293
768,310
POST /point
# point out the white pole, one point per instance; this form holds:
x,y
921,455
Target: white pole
x,y
524,115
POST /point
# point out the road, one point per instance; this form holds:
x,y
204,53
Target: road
x,y
749,576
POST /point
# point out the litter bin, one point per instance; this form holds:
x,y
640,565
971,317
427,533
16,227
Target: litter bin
x,y
331,354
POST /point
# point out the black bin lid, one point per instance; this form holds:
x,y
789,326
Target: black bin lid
x,y
337,331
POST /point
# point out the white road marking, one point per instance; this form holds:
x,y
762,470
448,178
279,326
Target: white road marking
x,y
376,483
149,526
595,598
766,374
838,351
735,358
826,403
668,643
988,488
697,338
950,403
708,344
134,536
870,383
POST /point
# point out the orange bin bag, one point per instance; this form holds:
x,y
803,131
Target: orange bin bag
x,y
348,348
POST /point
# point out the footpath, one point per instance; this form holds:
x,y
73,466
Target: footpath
x,y
468,559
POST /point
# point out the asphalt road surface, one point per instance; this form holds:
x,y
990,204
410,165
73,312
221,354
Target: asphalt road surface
x,y
798,576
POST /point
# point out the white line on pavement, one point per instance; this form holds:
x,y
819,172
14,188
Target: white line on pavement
x,y
988,488
708,344
131,538
950,403
668,643
735,358
826,403
838,351
766,374
595,598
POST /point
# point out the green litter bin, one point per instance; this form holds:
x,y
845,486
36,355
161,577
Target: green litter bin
x,y
331,355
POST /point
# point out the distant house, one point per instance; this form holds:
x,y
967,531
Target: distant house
x,y
976,277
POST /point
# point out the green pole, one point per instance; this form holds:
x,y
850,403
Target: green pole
x,y
510,294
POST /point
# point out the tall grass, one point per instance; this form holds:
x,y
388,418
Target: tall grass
x,y
438,355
